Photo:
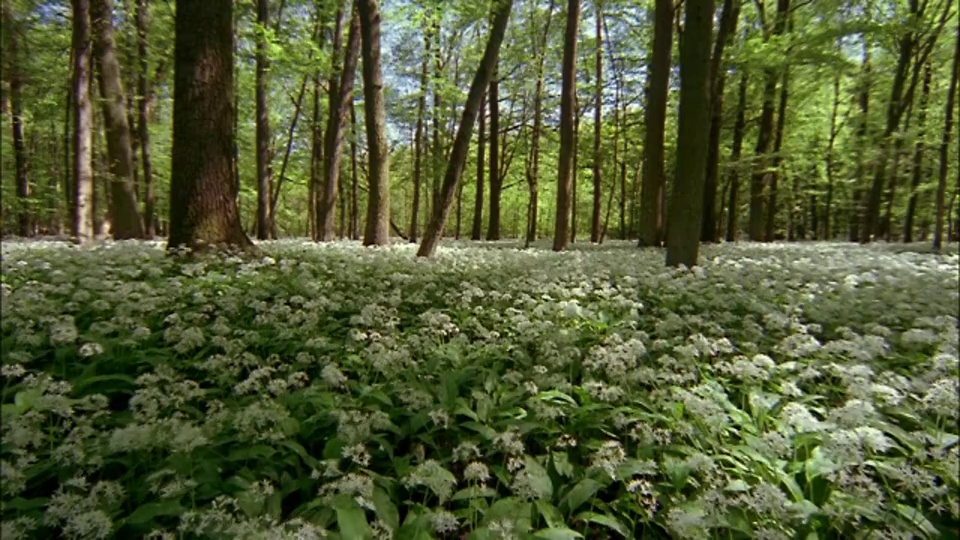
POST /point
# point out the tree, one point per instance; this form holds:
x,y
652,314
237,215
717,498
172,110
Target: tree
x,y
82,229
918,150
341,95
597,126
496,181
739,129
418,142
14,76
481,145
124,212
142,18
203,208
461,142
264,172
686,200
568,92
533,171
944,146
377,231
655,118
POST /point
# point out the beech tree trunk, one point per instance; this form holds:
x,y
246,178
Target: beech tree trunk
x,y
377,230
142,17
496,181
533,173
944,147
124,213
461,142
769,229
340,98
918,150
830,158
83,210
653,182
686,200
354,204
264,172
568,103
728,26
418,141
476,233
597,125
739,129
203,207
13,33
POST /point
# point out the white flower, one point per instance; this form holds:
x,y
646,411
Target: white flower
x,y
90,349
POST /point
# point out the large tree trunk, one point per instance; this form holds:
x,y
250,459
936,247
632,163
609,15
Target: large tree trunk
x,y
83,209
461,143
418,141
143,126
728,25
264,172
14,77
777,157
683,245
203,207
597,125
655,117
944,147
496,181
125,216
739,130
476,233
341,95
377,230
918,149
568,103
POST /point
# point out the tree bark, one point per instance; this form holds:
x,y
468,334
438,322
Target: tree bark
x,y
863,100
377,230
533,174
83,207
597,126
918,150
203,208
739,130
142,21
458,153
418,143
354,204
496,182
771,216
683,235
14,76
264,172
125,222
830,158
944,147
568,102
476,233
728,26
341,95
655,117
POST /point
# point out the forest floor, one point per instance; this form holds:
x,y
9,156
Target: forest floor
x,y
329,390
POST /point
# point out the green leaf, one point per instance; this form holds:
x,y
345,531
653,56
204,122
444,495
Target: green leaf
x,y
581,493
561,464
105,384
550,514
487,432
473,492
557,533
539,478
149,511
386,510
917,519
20,504
24,399
350,518
607,521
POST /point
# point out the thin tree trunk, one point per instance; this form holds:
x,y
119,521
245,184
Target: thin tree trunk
x,y
944,150
739,130
203,208
143,126
418,141
341,96
377,231
83,208
68,189
683,245
481,165
728,26
496,182
597,125
316,160
291,131
655,117
856,211
264,172
354,204
125,216
14,77
918,150
458,153
777,157
568,102
533,174
575,167
834,131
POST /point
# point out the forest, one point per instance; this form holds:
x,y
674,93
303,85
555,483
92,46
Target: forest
x,y
488,269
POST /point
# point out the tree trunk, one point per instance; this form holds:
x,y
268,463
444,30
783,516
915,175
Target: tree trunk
x,y
568,102
377,230
777,157
264,172
340,98
728,25
496,181
533,174
597,125
143,127
461,143
481,164
15,79
316,161
739,129
834,131
354,204
944,144
655,117
683,235
83,209
918,149
125,216
574,168
863,99
203,208
418,141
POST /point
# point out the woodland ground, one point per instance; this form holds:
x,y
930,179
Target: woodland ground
x,y
778,391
